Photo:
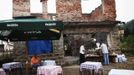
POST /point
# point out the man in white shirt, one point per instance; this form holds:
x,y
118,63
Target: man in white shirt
x,y
105,53
82,54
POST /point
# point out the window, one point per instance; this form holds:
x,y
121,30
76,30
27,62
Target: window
x,y
51,4
35,6
88,6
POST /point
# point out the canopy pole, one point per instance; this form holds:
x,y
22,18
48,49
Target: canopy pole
x,y
26,60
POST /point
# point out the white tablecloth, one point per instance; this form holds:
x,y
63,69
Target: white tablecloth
x,y
49,62
2,72
11,65
121,72
91,65
49,70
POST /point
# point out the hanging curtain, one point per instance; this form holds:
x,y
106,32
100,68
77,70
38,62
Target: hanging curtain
x,y
39,46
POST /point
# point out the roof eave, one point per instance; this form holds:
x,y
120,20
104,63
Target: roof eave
x,y
94,23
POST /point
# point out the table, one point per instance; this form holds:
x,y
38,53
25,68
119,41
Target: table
x,y
2,72
121,72
49,62
12,67
95,58
49,70
98,58
94,66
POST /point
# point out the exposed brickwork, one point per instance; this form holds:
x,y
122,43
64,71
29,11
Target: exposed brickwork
x,y
68,11
109,11
21,8
96,14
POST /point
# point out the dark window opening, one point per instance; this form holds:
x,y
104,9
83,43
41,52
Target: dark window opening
x,y
72,42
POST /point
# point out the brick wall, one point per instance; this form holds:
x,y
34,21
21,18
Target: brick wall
x,y
21,8
109,12
68,11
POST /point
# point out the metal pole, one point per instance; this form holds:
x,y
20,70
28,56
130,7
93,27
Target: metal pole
x,y
26,60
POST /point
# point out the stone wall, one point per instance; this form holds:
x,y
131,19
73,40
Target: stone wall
x,y
21,50
85,34
68,11
81,30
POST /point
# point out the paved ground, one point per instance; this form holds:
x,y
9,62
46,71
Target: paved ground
x,y
74,69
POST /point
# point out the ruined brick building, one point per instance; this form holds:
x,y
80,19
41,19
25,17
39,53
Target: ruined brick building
x,y
78,27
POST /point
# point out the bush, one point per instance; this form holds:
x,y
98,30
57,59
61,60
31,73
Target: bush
x,y
127,45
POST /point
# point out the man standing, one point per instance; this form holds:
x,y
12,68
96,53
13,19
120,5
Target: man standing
x,y
82,53
105,53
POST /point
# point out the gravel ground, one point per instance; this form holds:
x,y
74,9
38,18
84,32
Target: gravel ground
x,y
74,69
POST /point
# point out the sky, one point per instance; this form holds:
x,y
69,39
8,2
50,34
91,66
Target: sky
x,y
124,9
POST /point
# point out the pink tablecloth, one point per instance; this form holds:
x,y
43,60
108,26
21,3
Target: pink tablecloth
x,y
2,72
49,70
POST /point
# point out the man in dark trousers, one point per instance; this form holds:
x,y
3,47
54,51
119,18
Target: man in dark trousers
x,y
82,53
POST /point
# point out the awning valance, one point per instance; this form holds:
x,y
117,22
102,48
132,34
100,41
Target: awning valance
x,y
30,29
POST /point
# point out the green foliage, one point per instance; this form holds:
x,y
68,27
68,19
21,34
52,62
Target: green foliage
x,y
129,27
128,42
120,26
127,45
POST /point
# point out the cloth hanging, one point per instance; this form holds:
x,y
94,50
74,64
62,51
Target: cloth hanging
x,y
39,46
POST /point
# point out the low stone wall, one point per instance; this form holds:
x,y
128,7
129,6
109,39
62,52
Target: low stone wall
x,y
57,54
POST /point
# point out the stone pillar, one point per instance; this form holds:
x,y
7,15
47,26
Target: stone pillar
x,y
44,5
